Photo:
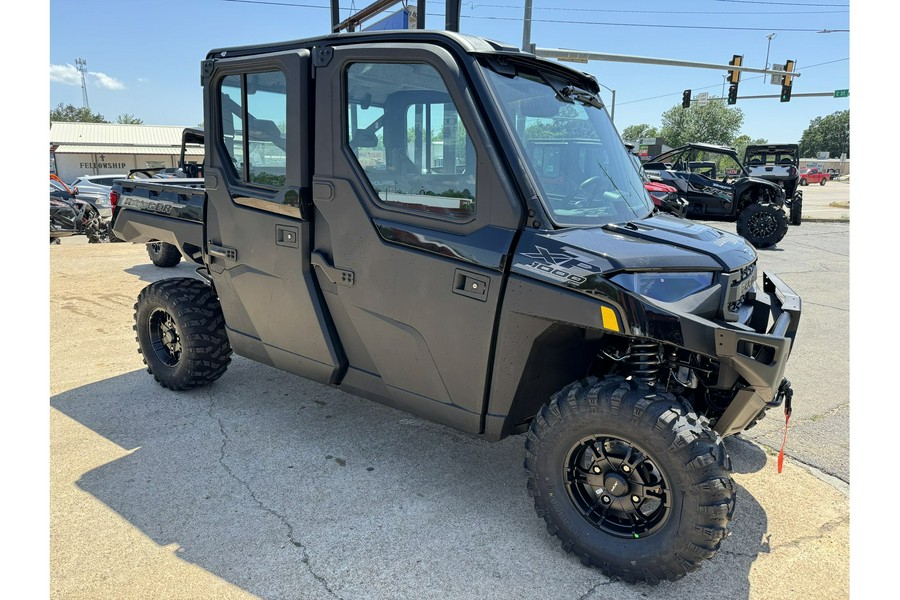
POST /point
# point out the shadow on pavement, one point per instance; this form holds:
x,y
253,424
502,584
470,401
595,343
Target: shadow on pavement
x,y
286,488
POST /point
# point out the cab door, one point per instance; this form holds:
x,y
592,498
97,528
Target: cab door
x,y
258,230
412,227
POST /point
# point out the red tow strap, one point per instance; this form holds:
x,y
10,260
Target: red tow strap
x,y
788,393
787,418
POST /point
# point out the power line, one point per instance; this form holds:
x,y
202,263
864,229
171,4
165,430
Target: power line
x,y
473,5
809,4
568,21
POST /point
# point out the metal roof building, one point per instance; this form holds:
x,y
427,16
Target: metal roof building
x,y
108,148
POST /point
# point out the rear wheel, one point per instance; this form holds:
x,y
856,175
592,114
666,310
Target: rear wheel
x,y
796,209
163,254
822,181
629,480
763,225
181,333
804,182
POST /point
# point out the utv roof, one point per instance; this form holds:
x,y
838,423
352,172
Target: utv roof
x,y
772,148
468,44
702,146
694,146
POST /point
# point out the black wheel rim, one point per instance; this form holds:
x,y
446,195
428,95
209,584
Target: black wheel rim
x,y
164,338
156,247
762,225
617,487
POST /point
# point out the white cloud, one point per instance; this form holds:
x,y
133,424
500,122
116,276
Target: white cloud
x,y
70,75
106,81
65,74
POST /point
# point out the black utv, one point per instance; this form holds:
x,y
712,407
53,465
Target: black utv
x,y
717,186
374,217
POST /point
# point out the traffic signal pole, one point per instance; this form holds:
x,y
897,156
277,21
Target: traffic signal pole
x,y
583,57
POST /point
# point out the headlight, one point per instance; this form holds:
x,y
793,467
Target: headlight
x,y
665,287
104,202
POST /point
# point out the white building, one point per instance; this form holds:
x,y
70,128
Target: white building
x,y
108,148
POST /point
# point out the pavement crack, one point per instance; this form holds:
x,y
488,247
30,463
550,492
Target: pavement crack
x,y
602,582
824,528
292,537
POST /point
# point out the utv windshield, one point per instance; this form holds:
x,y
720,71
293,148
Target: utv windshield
x,y
583,169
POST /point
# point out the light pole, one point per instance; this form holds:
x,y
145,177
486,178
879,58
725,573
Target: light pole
x,y
612,110
769,45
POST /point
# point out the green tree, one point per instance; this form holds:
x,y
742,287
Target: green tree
x,y
829,134
126,119
714,123
633,133
70,113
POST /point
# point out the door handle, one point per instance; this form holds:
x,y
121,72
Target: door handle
x,y
336,275
470,284
221,251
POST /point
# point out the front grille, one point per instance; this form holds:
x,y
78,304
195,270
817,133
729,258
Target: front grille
x,y
738,285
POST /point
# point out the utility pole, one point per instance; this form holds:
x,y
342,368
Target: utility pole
x,y
526,28
81,65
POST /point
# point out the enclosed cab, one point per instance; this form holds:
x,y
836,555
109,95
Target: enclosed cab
x,y
376,219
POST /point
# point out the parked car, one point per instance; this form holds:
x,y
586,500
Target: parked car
x,y
813,175
95,184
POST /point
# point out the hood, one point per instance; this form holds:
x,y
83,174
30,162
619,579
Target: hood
x,y
658,243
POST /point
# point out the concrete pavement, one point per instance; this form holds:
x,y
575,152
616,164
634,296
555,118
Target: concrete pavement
x,y
266,485
829,202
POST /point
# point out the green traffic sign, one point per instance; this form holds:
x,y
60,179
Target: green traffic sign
x,y
841,93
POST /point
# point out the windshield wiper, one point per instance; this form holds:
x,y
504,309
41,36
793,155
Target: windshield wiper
x,y
582,96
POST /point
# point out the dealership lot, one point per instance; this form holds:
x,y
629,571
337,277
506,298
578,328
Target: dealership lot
x,y
268,485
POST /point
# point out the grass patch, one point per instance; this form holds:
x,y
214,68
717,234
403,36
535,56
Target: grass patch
x,y
845,204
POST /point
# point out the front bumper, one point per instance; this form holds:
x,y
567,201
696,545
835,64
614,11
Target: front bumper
x,y
757,355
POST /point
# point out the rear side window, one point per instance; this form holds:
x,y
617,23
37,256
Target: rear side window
x,y
254,117
407,135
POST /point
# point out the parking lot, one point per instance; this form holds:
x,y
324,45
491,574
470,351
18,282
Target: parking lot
x,y
268,485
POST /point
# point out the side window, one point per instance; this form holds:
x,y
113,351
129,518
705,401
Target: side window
x,y
409,139
232,102
254,117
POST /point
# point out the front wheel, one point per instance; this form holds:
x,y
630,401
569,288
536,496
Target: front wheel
x,y
629,479
763,225
181,333
163,254
93,227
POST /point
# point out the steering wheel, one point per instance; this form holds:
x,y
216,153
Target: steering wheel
x,y
591,182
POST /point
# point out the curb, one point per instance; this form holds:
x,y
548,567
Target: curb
x,y
823,220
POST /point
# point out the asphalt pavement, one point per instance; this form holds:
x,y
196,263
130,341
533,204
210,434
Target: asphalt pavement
x,y
267,485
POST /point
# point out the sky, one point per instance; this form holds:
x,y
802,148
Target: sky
x,y
144,59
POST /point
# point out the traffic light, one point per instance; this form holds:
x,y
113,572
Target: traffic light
x,y
734,77
787,81
732,93
686,99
